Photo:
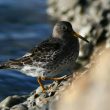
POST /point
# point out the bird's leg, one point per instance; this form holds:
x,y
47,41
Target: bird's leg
x,y
40,83
54,79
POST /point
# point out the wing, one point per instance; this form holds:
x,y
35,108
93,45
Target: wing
x,y
44,52
47,50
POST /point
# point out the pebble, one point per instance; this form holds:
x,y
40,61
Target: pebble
x,y
19,107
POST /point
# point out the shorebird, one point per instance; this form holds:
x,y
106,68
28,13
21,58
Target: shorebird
x,y
52,58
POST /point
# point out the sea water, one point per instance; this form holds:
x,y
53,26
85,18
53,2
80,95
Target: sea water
x,y
23,24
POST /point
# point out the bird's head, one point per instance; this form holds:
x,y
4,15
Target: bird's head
x,y
64,29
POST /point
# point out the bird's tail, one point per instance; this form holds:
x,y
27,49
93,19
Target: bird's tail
x,y
4,66
12,64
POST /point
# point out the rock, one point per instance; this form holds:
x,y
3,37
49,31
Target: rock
x,y
64,7
5,108
11,101
108,43
19,107
51,2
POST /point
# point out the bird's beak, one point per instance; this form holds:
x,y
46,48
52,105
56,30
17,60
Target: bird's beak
x,y
77,35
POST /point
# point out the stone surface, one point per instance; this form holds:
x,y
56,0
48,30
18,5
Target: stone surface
x,y
19,107
11,101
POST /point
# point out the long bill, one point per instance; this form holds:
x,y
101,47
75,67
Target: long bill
x,y
77,35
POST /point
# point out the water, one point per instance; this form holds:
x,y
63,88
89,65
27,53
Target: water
x,y
23,24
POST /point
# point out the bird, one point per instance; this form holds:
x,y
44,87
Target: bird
x,y
52,58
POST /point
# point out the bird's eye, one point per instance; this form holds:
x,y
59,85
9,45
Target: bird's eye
x,y
64,28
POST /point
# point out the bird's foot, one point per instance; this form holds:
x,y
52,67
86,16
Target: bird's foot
x,y
56,78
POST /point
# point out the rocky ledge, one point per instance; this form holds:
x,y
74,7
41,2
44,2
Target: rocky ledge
x,y
37,100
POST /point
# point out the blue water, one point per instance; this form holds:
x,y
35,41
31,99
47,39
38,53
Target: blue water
x,y
23,24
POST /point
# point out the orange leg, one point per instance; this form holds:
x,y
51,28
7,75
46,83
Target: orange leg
x,y
40,83
54,79
47,78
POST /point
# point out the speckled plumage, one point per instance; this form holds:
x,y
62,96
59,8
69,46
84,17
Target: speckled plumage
x,y
48,57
